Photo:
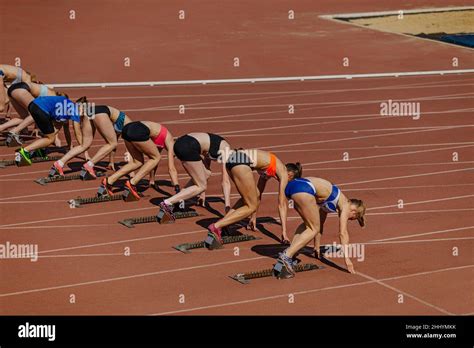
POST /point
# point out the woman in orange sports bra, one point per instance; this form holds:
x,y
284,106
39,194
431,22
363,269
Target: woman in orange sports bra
x,y
143,138
240,166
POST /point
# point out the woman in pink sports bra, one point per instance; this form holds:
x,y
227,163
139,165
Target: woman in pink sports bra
x,y
143,138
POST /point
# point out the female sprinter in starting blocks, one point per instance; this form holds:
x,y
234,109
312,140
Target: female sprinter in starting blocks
x,y
11,74
240,166
196,151
109,122
49,113
143,138
313,199
20,96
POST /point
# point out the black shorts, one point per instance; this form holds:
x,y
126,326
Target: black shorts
x,y
215,143
187,149
18,85
135,132
238,158
42,119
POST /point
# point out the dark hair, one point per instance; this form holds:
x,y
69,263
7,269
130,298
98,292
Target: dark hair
x,y
61,94
82,100
295,168
360,210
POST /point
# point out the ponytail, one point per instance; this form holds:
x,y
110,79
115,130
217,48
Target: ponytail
x,y
296,169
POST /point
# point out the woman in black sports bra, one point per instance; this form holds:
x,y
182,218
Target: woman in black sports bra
x,y
196,151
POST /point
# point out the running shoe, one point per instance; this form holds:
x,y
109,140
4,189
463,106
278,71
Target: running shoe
x,y
89,169
215,232
168,210
22,153
13,137
105,188
56,169
132,189
287,263
40,153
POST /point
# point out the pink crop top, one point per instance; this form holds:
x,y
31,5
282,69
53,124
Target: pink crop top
x,y
159,140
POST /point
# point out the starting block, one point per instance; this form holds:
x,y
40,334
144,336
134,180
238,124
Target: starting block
x,y
158,218
128,196
186,247
13,141
244,278
83,175
23,163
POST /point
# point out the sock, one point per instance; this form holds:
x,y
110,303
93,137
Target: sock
x,y
167,202
90,164
60,163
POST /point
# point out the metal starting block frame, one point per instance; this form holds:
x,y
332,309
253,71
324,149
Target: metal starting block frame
x,y
79,202
83,175
159,218
244,278
23,163
186,247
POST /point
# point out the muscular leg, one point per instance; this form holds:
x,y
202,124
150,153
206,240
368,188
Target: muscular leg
x,y
148,148
305,205
41,143
136,161
199,176
11,123
245,184
24,124
106,130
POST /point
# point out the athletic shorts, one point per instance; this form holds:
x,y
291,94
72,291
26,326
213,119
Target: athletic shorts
x,y
135,132
238,158
18,85
187,149
42,119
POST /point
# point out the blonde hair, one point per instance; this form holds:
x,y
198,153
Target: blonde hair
x,y
360,211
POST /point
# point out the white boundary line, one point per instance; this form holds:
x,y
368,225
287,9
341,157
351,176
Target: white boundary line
x,y
260,79
425,234
380,282
285,295
393,12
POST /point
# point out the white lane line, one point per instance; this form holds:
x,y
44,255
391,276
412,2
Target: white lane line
x,y
390,155
425,234
271,147
122,241
196,107
133,276
407,176
407,187
141,209
414,241
342,77
398,291
77,217
290,92
344,116
310,291
391,166
425,201
241,248
422,211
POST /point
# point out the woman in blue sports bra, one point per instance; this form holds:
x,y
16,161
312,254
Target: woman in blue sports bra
x,y
20,95
313,199
108,121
